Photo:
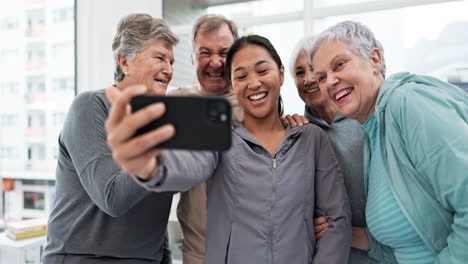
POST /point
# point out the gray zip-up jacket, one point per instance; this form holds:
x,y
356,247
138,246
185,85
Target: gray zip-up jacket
x,y
261,208
346,137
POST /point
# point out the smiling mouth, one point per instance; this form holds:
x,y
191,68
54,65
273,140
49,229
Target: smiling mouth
x,y
163,81
338,96
257,97
311,90
215,75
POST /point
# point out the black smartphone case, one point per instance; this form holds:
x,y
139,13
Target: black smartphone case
x,y
201,122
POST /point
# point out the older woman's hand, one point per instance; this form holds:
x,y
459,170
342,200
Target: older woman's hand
x,y
320,227
134,155
294,120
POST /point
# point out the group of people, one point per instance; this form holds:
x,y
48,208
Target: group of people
x,y
379,176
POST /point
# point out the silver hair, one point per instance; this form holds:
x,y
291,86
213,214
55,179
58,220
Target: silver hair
x,y
135,32
360,38
304,45
210,23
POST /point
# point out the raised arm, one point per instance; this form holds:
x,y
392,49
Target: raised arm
x,y
134,155
156,171
83,148
332,201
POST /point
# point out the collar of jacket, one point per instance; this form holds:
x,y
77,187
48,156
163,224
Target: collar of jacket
x,y
292,132
310,114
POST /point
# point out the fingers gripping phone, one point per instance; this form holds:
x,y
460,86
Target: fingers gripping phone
x,y
201,122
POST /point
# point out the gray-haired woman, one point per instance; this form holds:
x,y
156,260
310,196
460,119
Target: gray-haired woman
x,y
100,215
346,137
415,149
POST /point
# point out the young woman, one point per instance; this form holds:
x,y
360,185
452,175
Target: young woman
x,y
262,193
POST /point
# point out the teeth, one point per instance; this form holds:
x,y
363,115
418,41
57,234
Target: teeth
x,y
215,74
312,90
162,81
257,96
339,95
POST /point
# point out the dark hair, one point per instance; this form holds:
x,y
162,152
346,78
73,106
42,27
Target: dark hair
x,y
257,41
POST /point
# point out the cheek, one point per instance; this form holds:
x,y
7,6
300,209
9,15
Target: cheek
x,y
237,89
299,84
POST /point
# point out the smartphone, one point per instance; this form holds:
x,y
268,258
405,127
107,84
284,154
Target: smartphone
x,y
201,122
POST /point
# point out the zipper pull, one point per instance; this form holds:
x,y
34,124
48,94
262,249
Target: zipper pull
x,y
274,163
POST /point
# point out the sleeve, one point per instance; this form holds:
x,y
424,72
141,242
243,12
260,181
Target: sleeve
x,y
434,128
181,170
83,140
332,201
379,251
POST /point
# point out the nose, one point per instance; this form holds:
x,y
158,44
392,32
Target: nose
x,y
253,83
216,61
331,81
309,78
167,70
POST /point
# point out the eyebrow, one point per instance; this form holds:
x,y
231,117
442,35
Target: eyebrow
x,y
207,49
331,62
163,54
300,68
256,64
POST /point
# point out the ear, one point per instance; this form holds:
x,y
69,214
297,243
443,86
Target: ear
x,y
122,61
281,72
192,58
376,60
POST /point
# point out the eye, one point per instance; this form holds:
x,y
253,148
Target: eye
x,y
223,54
161,58
263,72
300,73
339,65
204,54
321,77
240,77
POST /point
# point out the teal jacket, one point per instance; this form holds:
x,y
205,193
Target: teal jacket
x,y
424,138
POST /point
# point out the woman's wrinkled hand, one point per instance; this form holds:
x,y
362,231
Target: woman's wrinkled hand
x,y
135,155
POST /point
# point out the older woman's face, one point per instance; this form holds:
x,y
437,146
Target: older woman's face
x,y
152,67
307,87
351,81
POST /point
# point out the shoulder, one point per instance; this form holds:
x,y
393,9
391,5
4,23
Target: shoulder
x,y
312,129
89,103
312,134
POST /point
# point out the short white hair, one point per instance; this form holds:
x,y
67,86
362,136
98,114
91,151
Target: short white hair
x,y
360,38
304,45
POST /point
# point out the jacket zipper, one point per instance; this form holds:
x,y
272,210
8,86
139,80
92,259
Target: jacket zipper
x,y
271,259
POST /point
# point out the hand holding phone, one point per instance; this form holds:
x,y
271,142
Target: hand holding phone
x,y
201,122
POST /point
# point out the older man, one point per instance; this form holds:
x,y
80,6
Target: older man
x,y
212,36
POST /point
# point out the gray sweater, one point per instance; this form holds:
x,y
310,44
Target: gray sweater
x,y
346,137
100,215
260,208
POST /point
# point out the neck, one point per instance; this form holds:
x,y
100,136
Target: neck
x,y
126,82
264,126
326,112
373,100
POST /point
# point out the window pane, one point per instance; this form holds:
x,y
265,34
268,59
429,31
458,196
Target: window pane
x,y
36,50
416,42
186,12
329,3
